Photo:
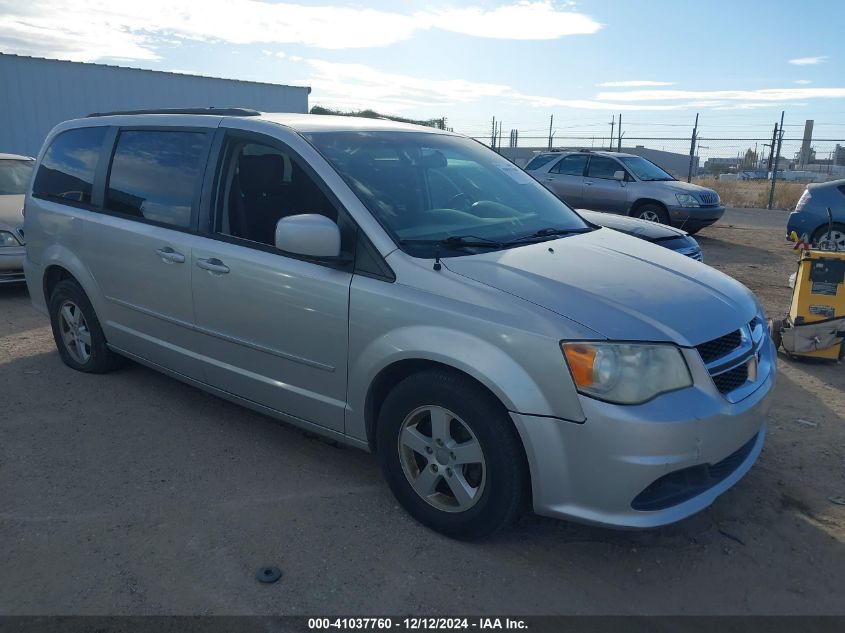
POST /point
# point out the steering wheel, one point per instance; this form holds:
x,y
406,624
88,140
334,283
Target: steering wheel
x,y
460,196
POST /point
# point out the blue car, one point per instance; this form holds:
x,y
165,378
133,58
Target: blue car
x,y
810,217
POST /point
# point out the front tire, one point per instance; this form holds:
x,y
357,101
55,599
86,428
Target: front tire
x,y
451,455
651,212
77,332
835,232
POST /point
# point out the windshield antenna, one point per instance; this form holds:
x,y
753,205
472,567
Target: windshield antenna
x,y
437,265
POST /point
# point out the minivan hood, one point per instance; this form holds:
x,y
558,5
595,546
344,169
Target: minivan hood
x,y
621,287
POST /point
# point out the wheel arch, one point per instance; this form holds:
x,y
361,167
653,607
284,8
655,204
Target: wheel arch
x,y
58,264
396,372
644,201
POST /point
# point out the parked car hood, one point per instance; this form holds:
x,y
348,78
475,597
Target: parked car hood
x,y
632,226
619,286
10,211
679,186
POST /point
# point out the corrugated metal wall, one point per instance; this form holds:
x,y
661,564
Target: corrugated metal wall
x,y
36,94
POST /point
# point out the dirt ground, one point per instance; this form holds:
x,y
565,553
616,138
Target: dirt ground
x,y
131,493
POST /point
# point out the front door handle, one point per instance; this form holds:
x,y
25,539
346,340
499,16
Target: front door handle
x,y
589,184
549,179
168,255
213,265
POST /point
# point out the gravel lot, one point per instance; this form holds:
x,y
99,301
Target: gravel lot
x,y
131,493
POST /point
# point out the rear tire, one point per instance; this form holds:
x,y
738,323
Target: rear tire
x,y
651,212
451,455
77,332
838,231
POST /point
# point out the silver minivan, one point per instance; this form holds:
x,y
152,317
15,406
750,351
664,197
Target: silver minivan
x,y
407,291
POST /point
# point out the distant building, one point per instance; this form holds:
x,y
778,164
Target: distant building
x,y
36,94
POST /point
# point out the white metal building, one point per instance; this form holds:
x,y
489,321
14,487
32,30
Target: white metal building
x,y
36,94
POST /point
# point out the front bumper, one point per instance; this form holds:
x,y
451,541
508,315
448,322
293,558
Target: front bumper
x,y
803,223
11,265
694,218
597,471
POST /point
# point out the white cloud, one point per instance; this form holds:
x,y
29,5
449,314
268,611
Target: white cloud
x,y
766,94
520,21
635,83
803,81
88,30
808,61
357,86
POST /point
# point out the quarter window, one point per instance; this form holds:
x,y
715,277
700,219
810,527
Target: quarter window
x,y
570,165
539,161
602,167
154,175
67,170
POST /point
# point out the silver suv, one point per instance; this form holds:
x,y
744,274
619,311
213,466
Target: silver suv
x,y
410,292
624,183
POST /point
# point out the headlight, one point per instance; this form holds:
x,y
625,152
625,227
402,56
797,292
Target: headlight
x,y
687,200
8,239
626,373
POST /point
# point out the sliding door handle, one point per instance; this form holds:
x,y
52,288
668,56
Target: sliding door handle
x,y
213,265
168,255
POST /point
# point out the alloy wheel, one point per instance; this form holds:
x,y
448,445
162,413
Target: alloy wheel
x,y
75,333
649,215
442,459
836,237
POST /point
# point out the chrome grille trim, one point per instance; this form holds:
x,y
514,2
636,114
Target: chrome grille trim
x,y
749,361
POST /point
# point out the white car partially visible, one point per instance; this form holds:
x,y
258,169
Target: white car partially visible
x,y
15,172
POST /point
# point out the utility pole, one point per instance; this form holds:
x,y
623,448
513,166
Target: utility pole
x,y
612,123
499,143
772,148
619,144
493,136
692,148
551,120
777,160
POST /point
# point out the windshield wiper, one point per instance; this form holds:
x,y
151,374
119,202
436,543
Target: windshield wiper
x,y
547,232
458,241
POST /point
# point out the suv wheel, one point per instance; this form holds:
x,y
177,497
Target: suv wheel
x,y
76,330
652,213
451,455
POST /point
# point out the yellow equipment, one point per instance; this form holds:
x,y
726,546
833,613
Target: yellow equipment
x,y
815,327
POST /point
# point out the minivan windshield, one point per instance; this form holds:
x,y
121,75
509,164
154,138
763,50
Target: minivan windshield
x,y
443,194
644,169
14,176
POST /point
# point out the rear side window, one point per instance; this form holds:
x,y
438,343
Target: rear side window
x,y
539,161
571,165
154,175
601,167
67,170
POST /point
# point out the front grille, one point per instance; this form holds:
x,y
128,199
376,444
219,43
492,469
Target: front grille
x,y
731,379
682,485
718,347
709,198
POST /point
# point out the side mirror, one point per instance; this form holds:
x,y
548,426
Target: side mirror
x,y
308,234
619,175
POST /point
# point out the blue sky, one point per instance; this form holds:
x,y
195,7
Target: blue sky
x,y
737,63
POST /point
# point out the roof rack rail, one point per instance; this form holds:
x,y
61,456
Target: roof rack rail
x,y
210,110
